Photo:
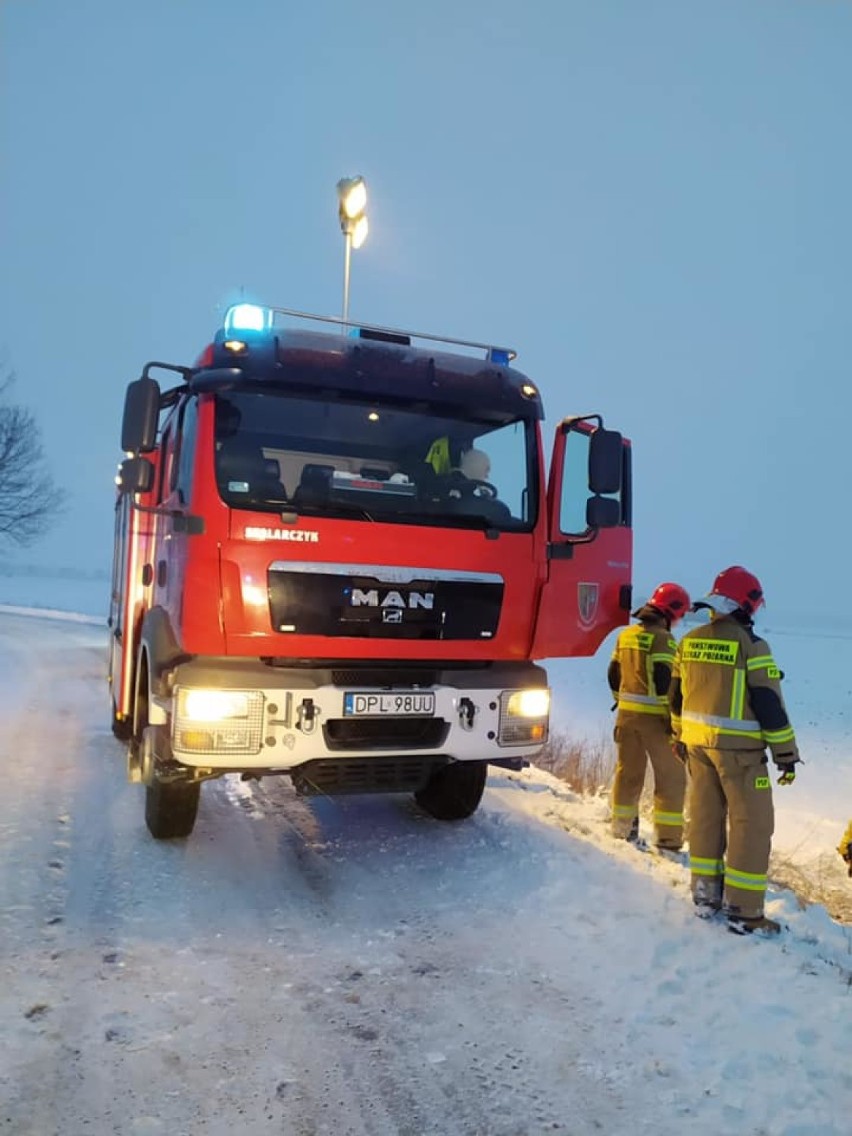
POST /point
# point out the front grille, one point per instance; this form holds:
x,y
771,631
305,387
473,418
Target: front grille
x,y
384,676
364,606
365,775
385,733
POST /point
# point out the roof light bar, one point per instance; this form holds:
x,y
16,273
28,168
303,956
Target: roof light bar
x,y
499,355
247,317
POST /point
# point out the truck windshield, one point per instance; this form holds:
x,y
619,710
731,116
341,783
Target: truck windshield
x,y
340,458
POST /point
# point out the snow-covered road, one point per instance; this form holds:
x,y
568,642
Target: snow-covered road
x,y
354,967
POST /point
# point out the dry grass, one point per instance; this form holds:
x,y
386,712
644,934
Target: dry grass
x,y
821,883
586,766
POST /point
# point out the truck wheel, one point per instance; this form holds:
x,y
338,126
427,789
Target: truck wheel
x,y
454,792
171,808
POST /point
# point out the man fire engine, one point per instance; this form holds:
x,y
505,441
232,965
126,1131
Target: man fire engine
x,y
307,582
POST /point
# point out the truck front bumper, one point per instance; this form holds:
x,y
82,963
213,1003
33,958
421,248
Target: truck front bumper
x,y
244,715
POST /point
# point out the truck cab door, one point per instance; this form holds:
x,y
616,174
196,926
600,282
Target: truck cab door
x,y
587,590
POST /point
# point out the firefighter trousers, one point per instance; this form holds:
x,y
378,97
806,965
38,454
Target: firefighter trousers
x,y
731,820
639,739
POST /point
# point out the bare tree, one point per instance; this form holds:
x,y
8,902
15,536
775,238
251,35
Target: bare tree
x,y
28,494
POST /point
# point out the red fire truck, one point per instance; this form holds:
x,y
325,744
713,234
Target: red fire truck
x,y
337,556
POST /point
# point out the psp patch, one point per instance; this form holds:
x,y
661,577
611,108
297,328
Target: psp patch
x,y
587,603
723,651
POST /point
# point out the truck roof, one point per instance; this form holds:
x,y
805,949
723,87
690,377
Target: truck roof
x,y
382,362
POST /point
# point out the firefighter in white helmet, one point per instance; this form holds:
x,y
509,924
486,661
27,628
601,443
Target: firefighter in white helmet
x,y
727,708
639,676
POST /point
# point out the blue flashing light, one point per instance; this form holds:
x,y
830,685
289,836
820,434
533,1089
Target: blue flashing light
x,y
247,317
499,355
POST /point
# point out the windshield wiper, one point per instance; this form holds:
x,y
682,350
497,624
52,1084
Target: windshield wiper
x,y
332,512
269,504
479,522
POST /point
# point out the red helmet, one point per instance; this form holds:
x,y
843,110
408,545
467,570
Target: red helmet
x,y
672,600
740,587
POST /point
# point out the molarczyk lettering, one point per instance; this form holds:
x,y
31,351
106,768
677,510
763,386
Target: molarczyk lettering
x,y
372,598
258,532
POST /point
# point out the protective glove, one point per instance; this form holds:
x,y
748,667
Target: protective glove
x,y
680,751
845,851
787,769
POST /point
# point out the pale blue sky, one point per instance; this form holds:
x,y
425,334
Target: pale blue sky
x,y
649,200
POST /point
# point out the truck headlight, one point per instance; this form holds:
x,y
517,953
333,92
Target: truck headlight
x,y
524,716
217,721
212,705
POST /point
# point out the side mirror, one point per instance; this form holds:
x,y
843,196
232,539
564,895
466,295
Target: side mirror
x,y
603,513
135,475
141,416
606,456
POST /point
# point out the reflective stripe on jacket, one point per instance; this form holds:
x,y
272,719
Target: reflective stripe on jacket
x,y
726,691
640,668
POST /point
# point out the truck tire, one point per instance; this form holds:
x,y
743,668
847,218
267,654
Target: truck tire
x,y
455,791
171,808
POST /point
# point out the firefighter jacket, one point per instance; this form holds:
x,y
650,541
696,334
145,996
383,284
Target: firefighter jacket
x,y
639,672
726,691
845,841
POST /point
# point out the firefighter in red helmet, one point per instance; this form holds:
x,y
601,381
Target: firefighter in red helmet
x,y
639,676
727,708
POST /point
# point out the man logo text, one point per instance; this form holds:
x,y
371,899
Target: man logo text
x,y
370,597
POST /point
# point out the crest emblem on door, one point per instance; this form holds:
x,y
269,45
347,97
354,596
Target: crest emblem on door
x,y
587,603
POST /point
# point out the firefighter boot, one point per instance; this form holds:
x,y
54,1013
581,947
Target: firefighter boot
x,y
634,838
625,827
760,925
707,896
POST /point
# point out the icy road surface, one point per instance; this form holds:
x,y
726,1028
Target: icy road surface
x,y
352,967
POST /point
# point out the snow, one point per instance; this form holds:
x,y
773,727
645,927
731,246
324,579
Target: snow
x,y
351,966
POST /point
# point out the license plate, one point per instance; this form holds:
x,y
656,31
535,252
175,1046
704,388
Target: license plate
x,y
402,705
